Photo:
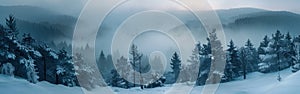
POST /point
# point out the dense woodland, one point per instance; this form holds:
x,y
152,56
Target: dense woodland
x,y
23,56
34,60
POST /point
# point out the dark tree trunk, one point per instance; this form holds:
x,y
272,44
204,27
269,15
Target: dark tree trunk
x,y
45,69
244,70
56,79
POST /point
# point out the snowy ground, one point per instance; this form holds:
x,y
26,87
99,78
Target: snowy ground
x,y
256,83
10,85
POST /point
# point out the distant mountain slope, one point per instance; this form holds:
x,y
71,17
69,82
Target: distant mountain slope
x,y
269,18
45,31
28,13
43,24
256,25
241,24
229,15
239,11
35,14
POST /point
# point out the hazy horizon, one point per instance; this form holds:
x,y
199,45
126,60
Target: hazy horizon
x,y
74,7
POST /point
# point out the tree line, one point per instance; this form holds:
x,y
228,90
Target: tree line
x,y
275,53
25,57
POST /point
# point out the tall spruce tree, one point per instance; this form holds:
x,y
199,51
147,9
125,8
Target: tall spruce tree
x,y
251,58
289,49
65,69
233,66
228,72
103,65
49,60
176,65
248,58
205,63
115,79
244,61
264,55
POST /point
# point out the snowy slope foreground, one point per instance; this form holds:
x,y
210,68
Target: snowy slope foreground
x,y
256,83
290,85
10,85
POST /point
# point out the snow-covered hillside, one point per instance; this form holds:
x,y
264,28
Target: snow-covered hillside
x,y
256,83
288,86
10,85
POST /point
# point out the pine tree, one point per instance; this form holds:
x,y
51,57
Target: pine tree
x,y
115,79
218,59
277,46
85,73
31,47
109,62
4,46
251,58
12,27
176,65
205,63
194,63
206,50
289,49
233,66
102,56
123,68
244,61
264,44
47,69
248,58
282,48
10,48
264,55
135,61
102,65
65,69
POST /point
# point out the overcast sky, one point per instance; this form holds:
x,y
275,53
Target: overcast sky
x,y
74,7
